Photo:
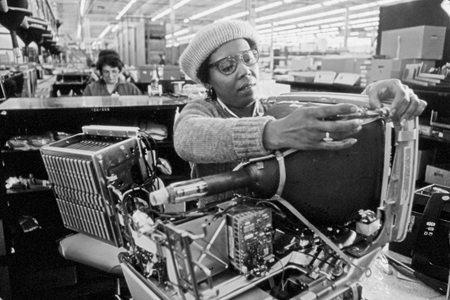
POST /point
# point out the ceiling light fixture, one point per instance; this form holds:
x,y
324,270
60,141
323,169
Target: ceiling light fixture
x,y
114,29
268,6
282,28
82,5
186,37
323,21
177,33
262,26
107,29
383,2
363,25
309,17
362,6
446,6
161,14
167,11
368,20
245,13
289,12
125,9
235,16
364,14
333,2
214,9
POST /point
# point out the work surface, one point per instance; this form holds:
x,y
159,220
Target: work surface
x,y
88,102
385,283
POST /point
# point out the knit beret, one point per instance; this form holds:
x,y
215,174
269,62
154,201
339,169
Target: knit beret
x,y
211,37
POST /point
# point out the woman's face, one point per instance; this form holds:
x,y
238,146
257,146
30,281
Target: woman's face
x,y
110,74
239,88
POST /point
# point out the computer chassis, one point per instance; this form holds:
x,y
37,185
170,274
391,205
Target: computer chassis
x,y
264,248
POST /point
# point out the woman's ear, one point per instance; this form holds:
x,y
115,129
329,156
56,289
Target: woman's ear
x,y
208,86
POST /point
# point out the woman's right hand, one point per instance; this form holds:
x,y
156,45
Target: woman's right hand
x,y
308,128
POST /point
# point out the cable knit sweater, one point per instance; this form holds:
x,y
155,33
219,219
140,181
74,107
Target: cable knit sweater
x,y
213,141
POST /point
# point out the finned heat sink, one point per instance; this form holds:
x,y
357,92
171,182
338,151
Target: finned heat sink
x,y
80,169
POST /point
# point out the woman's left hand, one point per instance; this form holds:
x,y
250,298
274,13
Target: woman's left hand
x,y
405,105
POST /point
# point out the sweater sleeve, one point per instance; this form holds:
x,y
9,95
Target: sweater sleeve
x,y
135,89
87,91
202,135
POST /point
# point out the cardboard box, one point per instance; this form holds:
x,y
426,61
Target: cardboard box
x,y
302,64
394,68
422,42
303,76
342,64
385,69
424,157
439,174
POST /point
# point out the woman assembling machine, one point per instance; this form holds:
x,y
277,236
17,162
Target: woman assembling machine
x,y
229,126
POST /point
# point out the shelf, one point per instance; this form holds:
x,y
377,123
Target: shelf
x,y
301,86
433,138
10,151
34,189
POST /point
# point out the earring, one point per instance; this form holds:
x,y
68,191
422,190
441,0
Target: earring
x,y
209,92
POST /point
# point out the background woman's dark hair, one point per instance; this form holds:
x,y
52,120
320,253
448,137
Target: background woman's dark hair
x,y
105,52
110,60
203,71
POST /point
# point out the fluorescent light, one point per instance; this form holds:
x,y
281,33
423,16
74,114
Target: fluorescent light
x,y
245,13
262,26
79,31
363,25
446,6
333,2
82,5
386,2
107,29
300,32
364,14
125,9
114,29
186,37
281,28
268,6
214,9
167,11
362,6
177,33
161,14
322,21
310,28
181,3
369,20
289,12
309,17
235,16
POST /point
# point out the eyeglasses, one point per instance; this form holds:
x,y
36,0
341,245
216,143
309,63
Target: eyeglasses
x,y
110,72
228,65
